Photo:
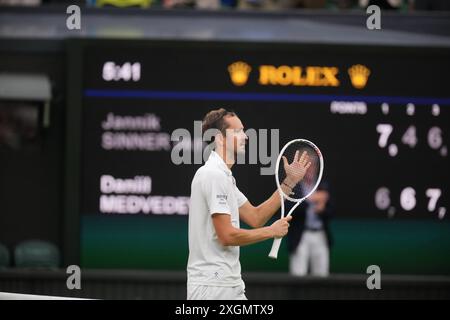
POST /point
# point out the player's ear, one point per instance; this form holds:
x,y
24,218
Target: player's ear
x,y
218,138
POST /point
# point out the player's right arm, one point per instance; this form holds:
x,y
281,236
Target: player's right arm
x,y
228,235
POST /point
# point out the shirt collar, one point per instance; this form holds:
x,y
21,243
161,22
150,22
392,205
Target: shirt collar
x,y
216,160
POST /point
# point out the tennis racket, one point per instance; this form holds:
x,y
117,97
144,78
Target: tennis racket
x,y
302,151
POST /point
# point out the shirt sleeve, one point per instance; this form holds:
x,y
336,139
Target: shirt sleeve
x,y
241,198
216,194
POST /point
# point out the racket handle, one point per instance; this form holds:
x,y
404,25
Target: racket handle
x,y
275,247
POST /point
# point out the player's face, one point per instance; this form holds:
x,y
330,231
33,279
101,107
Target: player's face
x,y
236,137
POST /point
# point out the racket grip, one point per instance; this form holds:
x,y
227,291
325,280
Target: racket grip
x,y
275,247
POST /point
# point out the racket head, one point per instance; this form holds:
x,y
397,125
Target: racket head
x,y
313,176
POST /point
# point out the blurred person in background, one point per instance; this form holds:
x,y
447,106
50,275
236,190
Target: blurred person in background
x,y
383,4
310,239
21,3
305,4
258,4
207,4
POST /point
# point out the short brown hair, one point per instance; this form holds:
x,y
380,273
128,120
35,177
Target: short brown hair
x,y
215,119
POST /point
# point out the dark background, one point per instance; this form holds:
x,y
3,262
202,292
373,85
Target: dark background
x,y
355,165
50,190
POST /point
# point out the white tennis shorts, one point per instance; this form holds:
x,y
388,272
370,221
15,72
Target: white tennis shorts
x,y
203,292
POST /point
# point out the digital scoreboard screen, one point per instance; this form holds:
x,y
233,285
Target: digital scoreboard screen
x,y
379,115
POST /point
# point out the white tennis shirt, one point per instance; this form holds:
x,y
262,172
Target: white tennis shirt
x,y
213,190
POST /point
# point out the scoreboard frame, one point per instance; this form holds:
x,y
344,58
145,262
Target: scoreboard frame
x,y
76,49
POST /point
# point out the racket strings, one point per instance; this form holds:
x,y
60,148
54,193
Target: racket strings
x,y
307,184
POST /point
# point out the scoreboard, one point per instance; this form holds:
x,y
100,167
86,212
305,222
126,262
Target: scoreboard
x,y
380,115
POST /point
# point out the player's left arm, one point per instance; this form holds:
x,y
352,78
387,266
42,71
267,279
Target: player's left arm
x,y
257,217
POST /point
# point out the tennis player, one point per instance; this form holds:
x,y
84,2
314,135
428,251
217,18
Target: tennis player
x,y
217,206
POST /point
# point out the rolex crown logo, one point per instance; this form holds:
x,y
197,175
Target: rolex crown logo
x,y
359,75
239,72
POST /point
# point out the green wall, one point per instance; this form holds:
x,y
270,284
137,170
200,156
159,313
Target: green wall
x,y
160,243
